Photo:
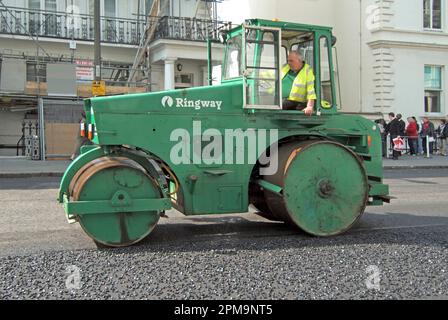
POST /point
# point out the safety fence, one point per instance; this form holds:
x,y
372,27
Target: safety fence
x,y
425,145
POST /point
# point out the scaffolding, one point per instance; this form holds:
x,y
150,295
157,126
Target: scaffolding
x,y
202,26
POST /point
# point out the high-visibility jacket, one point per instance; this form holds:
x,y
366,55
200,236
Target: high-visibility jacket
x,y
303,87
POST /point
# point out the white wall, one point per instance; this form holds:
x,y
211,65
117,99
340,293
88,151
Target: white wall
x,y
409,14
410,49
409,65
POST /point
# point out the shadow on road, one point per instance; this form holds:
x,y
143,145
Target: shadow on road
x,y
230,234
30,183
415,173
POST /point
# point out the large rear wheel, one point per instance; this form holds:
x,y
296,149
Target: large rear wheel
x,y
120,181
324,187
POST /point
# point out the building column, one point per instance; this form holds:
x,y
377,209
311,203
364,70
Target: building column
x,y
41,121
204,70
169,74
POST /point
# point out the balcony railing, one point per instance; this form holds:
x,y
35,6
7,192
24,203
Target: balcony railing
x,y
187,28
62,25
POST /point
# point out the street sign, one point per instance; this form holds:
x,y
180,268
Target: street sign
x,y
98,88
84,70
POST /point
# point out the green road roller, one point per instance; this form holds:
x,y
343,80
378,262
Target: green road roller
x,y
220,148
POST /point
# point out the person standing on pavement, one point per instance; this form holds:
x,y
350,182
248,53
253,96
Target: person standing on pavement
x,y
382,126
412,134
402,125
393,129
443,135
419,140
428,134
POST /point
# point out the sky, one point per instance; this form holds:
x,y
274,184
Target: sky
x,y
234,10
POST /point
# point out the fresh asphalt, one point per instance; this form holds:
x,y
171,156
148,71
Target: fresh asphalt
x,y
396,251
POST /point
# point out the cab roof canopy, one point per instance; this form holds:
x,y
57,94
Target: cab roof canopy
x,y
285,25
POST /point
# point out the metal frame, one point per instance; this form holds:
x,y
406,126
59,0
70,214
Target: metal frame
x,y
262,107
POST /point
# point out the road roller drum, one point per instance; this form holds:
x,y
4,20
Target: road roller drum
x,y
324,187
118,180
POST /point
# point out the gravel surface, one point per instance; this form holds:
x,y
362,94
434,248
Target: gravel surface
x,y
411,264
397,251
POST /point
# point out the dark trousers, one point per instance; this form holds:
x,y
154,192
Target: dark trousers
x,y
413,146
293,105
384,145
395,154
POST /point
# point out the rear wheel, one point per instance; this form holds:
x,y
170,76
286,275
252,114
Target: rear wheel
x,y
324,187
118,180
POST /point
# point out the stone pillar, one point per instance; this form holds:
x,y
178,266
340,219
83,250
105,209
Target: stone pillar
x,y
169,74
204,70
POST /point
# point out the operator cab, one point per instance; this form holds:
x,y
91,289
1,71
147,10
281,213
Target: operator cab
x,y
258,50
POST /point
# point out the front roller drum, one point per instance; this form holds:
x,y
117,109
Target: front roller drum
x,y
324,187
119,181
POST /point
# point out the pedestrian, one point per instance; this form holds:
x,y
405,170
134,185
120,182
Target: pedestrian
x,y
402,125
419,141
393,129
412,134
443,135
428,135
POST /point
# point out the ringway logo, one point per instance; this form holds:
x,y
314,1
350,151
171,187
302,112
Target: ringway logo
x,y
167,101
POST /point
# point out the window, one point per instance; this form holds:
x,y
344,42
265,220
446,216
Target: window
x,y
34,4
34,18
306,49
165,8
50,5
262,68
232,64
148,5
183,80
325,74
109,8
110,27
432,14
283,56
433,89
50,18
36,72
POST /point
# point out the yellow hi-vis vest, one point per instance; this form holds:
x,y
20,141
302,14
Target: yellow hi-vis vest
x,y
303,87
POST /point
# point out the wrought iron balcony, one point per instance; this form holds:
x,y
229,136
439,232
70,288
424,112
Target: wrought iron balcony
x,y
187,28
63,25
